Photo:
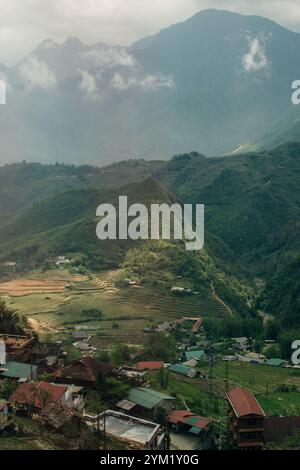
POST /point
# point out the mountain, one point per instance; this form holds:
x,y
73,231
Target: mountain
x,y
210,83
286,129
23,184
252,209
252,203
65,223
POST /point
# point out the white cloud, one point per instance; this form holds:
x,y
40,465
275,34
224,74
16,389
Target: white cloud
x,y
110,58
256,59
88,85
146,83
36,74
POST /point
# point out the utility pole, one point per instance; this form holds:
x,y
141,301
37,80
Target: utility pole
x,y
226,375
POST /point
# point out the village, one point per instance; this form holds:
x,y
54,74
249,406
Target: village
x,y
205,399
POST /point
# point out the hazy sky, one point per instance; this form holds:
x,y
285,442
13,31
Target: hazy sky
x,y
26,23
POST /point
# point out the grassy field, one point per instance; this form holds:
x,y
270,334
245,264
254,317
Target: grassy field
x,y
262,380
191,393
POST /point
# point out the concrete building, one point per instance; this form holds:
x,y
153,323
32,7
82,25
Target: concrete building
x,y
137,433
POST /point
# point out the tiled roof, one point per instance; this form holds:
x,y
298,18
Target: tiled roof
x,y
31,393
244,402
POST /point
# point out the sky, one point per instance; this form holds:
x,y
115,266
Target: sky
x,y
24,24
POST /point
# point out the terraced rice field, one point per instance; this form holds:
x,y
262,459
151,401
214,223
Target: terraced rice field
x,y
133,308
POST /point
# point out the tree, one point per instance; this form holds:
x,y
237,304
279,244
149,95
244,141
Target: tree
x,y
160,347
11,322
116,389
7,388
93,313
120,354
273,329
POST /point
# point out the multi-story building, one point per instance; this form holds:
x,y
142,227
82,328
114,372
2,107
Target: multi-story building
x,y
245,420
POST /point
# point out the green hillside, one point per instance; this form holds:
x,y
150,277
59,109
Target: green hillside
x,y
253,205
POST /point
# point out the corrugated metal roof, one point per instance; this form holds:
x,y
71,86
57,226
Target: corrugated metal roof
x,y
194,354
275,362
126,405
147,397
244,402
17,370
189,418
183,370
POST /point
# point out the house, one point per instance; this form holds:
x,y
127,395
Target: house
x,y
83,371
241,344
198,355
40,394
146,402
254,357
55,416
278,429
18,371
191,363
3,414
131,374
245,420
183,370
187,423
17,347
149,365
62,260
276,362
136,433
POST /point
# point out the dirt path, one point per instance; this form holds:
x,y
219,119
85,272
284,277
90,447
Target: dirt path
x,y
220,300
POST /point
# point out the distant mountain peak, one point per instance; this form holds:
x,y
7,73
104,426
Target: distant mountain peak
x,y
72,41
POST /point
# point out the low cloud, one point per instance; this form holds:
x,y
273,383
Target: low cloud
x,y
37,75
256,59
88,85
110,58
146,83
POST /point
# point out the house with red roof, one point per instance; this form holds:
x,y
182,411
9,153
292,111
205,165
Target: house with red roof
x,y
149,365
37,395
194,427
245,420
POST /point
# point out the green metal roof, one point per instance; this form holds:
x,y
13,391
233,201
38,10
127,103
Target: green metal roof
x,y
17,370
195,430
275,362
182,369
194,354
147,397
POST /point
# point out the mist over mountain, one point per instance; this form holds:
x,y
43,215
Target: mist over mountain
x,y
211,83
